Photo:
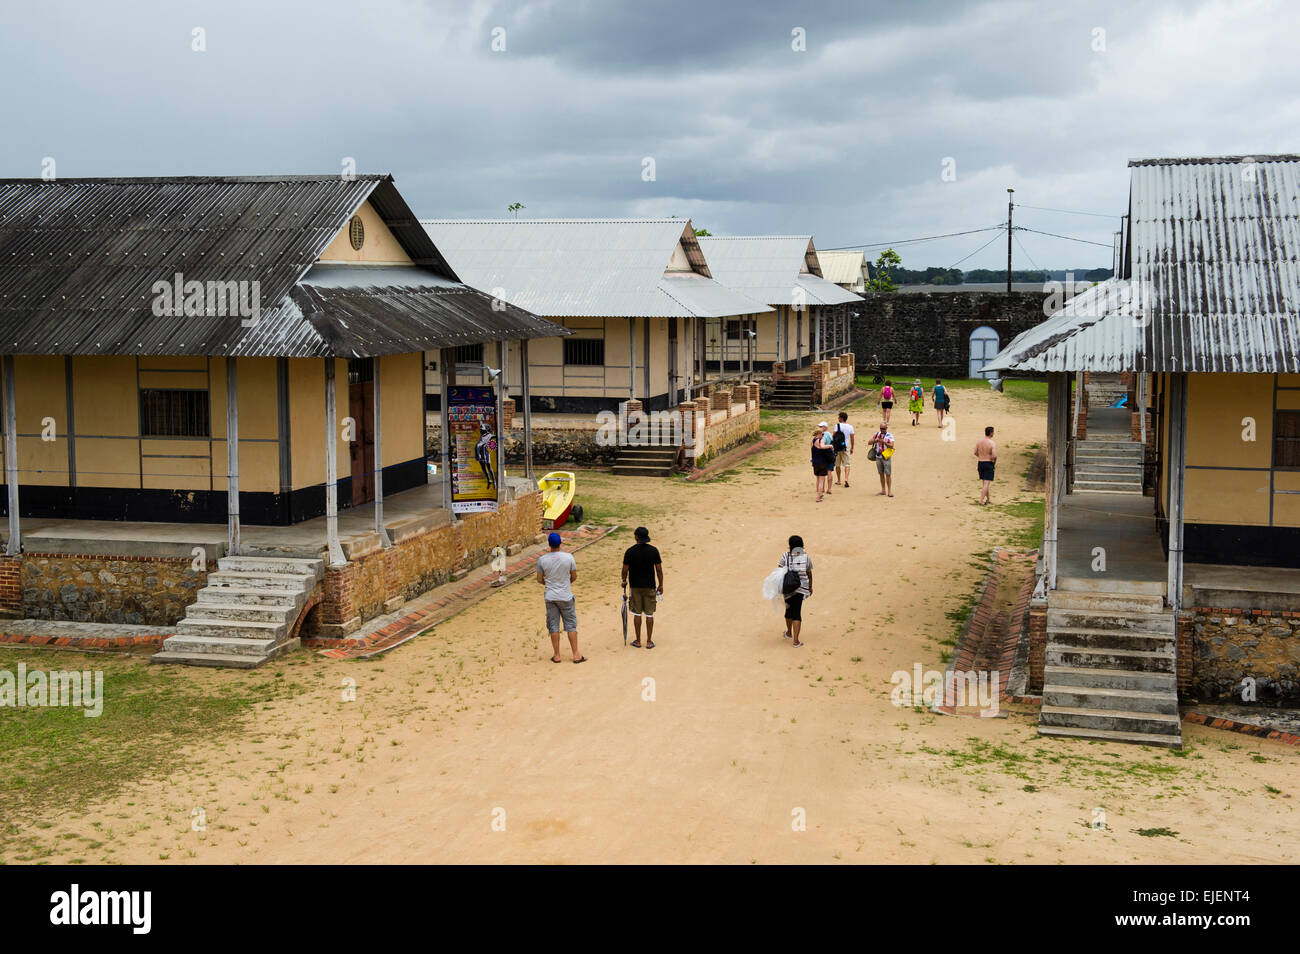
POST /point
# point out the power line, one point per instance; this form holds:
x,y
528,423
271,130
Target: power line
x,y
1043,208
1025,252
927,238
1068,238
980,249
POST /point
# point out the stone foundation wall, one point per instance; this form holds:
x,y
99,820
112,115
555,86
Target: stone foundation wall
x,y
94,588
832,378
551,445
424,554
1229,645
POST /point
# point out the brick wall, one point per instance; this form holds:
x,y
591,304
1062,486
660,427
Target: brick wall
x,y
1037,644
379,581
928,333
11,600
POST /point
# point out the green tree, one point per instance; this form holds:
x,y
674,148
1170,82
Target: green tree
x,y
699,232
515,207
883,281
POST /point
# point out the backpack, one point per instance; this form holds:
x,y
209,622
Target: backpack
x,y
791,582
915,394
837,440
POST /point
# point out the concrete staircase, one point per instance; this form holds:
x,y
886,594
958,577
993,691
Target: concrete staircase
x,y
1108,465
246,613
1110,667
792,394
646,461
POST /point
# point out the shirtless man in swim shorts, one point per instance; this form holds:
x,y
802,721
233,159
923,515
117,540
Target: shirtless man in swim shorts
x,y
986,452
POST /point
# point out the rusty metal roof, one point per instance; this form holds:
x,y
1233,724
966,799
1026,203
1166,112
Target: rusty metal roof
x,y
81,261
1213,266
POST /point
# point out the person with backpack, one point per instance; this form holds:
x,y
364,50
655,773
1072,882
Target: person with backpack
x,y
796,586
882,452
916,401
886,401
823,459
939,395
842,441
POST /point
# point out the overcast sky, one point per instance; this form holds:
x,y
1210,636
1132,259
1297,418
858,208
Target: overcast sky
x,y
848,138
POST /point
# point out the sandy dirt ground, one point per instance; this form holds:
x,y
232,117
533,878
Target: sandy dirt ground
x,y
723,744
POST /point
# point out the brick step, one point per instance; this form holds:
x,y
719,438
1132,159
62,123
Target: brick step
x,y
315,569
1114,720
261,581
1114,620
1133,660
241,612
220,643
1104,602
1079,638
1110,735
248,596
1164,702
638,471
1109,678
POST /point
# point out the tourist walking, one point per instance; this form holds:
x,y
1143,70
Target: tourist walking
x,y
916,401
796,559
882,444
886,401
986,453
823,459
557,570
842,441
643,569
939,397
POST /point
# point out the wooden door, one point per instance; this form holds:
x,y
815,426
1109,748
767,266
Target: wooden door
x,y
361,408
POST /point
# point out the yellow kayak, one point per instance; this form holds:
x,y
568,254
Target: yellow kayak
x,y
557,498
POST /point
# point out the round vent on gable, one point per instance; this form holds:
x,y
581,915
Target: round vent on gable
x,y
357,232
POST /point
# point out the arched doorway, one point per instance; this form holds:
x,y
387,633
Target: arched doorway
x,y
983,349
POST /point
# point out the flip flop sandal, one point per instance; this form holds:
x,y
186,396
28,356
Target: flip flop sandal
x,y
649,645
556,659
786,636
582,660
636,643
798,645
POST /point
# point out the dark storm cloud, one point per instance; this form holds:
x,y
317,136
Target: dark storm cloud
x,y
845,139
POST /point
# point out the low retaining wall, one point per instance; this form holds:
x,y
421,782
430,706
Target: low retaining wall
x,y
426,552
1226,646
99,588
832,377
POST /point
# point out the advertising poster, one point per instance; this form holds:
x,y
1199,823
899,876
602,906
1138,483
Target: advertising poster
x,y
472,453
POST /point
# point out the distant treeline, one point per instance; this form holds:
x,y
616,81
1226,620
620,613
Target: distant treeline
x,y
979,276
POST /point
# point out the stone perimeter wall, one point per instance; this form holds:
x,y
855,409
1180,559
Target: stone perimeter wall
x,y
928,333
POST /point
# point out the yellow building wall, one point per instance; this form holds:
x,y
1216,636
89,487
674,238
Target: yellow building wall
x,y
41,405
379,248
403,407
106,403
307,421
259,425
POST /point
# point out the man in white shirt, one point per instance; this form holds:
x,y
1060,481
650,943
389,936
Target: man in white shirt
x,y
558,570
844,451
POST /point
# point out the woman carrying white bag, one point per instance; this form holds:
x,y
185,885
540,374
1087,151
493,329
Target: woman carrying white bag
x,y
789,585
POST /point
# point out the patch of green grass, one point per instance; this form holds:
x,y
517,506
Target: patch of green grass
x,y
1029,533
56,756
1155,832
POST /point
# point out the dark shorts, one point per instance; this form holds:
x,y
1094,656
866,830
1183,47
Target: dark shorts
x,y
641,601
886,404
986,469
819,470
794,607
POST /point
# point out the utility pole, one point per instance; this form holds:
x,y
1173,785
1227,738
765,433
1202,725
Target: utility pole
x,y
1010,206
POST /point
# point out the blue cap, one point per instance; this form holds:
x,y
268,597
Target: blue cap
x,y
553,539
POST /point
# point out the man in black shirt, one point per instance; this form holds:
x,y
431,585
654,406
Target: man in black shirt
x,y
641,567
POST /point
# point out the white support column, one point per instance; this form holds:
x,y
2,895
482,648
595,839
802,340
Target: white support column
x,y
688,334
445,377
527,397
232,456
336,557
631,359
1177,471
1057,385
14,546
378,397
504,355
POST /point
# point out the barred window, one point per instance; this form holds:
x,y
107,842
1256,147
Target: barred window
x,y
469,354
733,329
174,412
1286,439
584,351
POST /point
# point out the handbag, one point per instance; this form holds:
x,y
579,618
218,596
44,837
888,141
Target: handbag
x,y
791,582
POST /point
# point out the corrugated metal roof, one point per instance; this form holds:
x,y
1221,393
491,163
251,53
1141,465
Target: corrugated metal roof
x,y
705,298
79,259
1215,260
767,268
844,268
609,268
